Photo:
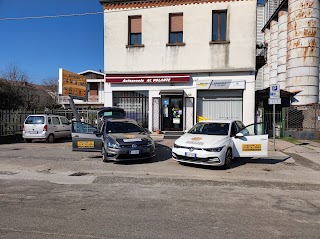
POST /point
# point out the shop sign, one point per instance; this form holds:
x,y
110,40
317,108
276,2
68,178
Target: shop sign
x,y
149,79
221,84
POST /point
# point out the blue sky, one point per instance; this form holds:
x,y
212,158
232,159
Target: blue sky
x,y
39,47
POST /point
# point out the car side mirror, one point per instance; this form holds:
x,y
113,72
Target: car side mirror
x,y
186,131
239,135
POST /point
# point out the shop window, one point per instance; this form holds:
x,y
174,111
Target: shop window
x,y
219,26
176,29
135,33
135,104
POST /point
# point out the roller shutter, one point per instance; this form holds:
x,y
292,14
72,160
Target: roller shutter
x,y
220,104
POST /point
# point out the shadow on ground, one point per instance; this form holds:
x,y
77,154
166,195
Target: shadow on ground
x,y
163,153
270,160
237,162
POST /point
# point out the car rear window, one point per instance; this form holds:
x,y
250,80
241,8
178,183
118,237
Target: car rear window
x,y
35,120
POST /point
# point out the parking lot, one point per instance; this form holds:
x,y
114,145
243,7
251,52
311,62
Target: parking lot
x,y
57,160
49,191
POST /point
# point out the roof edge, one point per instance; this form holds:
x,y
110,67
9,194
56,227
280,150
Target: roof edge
x,y
284,3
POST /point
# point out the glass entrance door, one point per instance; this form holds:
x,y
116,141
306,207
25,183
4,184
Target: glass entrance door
x,y
172,113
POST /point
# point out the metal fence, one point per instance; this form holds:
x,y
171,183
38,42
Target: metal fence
x,y
268,119
302,118
11,121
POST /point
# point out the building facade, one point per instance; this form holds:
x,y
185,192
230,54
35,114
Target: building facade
x,y
95,90
169,63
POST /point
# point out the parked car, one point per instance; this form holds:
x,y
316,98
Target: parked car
x,y
48,127
217,142
120,139
109,112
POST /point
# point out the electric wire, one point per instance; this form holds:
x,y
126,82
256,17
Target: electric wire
x,y
72,14
52,16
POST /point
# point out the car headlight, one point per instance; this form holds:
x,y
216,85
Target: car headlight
x,y
177,146
217,149
150,142
113,145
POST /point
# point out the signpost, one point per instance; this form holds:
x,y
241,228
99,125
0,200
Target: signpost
x,y
274,99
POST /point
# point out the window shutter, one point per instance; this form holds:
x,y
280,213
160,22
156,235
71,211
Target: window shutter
x,y
135,24
176,22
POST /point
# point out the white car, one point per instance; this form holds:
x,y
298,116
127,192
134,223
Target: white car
x,y
48,127
217,142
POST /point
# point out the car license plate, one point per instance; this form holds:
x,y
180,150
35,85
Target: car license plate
x,y
251,147
33,132
192,155
85,144
134,152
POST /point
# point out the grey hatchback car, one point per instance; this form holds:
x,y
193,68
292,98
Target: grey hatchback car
x,y
124,139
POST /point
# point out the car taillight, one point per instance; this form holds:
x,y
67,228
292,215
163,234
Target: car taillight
x,y
23,127
45,128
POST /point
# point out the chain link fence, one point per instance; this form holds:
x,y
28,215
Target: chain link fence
x,y
302,122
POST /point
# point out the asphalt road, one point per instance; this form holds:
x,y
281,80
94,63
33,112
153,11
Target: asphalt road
x,y
266,198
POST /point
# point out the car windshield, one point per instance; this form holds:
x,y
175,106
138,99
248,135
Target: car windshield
x,y
35,120
210,129
123,127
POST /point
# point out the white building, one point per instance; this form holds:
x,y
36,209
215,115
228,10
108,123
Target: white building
x,y
169,62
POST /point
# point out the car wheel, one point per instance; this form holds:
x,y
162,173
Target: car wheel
x,y
27,140
228,159
50,138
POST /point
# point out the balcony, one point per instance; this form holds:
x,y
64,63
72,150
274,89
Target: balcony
x,y
91,99
261,56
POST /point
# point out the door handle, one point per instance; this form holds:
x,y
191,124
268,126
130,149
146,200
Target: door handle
x,y
76,136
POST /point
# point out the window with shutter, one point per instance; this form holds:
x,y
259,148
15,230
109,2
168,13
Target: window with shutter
x,y
219,26
135,30
175,28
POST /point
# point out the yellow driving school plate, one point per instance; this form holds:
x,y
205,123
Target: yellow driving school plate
x,y
251,147
85,144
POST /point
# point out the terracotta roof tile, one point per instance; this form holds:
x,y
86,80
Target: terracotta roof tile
x,y
159,3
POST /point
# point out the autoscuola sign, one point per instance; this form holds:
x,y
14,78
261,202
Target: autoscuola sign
x,y
150,78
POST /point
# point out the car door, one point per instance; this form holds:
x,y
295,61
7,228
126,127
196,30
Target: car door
x,y
66,127
57,130
251,142
85,137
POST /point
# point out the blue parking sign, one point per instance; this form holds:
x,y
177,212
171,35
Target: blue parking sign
x,y
274,91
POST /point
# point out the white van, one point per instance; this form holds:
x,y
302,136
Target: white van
x,y
48,127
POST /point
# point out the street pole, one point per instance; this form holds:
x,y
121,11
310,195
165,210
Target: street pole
x,y
274,127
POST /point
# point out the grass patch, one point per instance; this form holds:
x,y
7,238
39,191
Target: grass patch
x,y
316,140
290,140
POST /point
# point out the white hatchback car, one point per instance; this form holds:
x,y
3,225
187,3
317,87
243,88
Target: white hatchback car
x,y
217,142
48,127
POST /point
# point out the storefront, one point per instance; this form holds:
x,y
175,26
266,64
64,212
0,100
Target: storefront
x,y
156,101
174,102
219,98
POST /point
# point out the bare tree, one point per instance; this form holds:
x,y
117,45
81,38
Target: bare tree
x,y
50,86
19,80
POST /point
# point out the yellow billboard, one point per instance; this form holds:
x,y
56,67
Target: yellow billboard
x,y
72,84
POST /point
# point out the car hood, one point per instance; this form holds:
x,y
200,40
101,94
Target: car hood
x,y
202,140
129,138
